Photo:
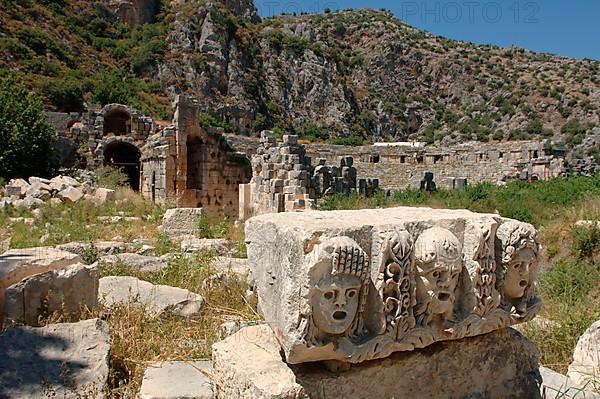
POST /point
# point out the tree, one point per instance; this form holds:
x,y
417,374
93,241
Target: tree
x,y
27,140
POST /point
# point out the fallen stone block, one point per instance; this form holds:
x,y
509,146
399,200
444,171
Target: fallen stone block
x,y
181,221
217,246
70,195
104,195
67,290
33,180
502,364
29,203
16,188
178,380
40,191
155,298
353,286
584,371
17,264
68,360
135,261
555,385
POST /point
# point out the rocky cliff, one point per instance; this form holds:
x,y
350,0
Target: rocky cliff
x,y
345,76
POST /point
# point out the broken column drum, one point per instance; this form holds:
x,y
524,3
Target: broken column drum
x,y
359,285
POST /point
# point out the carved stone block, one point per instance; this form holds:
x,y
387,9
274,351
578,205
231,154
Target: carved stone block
x,y
360,285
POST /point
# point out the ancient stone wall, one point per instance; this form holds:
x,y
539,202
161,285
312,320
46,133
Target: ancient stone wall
x,y
281,179
83,138
193,167
399,167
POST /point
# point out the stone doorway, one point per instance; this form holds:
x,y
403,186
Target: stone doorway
x,y
126,157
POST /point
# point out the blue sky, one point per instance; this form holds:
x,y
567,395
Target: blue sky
x,y
570,28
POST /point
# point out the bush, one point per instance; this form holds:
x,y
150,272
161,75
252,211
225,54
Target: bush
x,y
586,241
111,178
27,140
207,120
312,132
208,228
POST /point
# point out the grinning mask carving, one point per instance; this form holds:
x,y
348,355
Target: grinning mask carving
x,y
438,256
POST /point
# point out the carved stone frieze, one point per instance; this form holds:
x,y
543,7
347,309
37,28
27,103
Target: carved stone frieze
x,y
360,285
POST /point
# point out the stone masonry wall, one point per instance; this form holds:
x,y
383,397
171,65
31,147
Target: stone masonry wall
x,y
399,167
193,167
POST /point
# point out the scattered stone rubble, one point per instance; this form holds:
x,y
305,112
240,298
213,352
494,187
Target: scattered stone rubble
x,y
36,191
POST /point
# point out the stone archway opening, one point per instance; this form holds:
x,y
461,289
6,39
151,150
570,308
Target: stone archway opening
x,y
117,122
126,157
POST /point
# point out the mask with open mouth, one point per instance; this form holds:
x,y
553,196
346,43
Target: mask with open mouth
x,y
438,260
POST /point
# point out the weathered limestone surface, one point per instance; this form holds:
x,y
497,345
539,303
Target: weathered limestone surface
x,y
584,371
502,364
136,261
177,380
155,298
181,221
358,285
555,385
217,246
67,360
18,264
67,290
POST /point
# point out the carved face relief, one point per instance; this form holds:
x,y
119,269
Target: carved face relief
x,y
439,280
335,303
518,276
516,248
438,263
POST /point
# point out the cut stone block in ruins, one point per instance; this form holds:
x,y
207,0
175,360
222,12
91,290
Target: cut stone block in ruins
x,y
17,264
177,380
156,299
67,291
352,286
502,364
68,360
584,371
181,221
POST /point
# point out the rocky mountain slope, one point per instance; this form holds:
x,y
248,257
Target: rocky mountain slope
x,y
345,76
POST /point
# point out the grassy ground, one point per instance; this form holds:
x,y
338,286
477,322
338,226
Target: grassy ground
x,y
138,339
571,261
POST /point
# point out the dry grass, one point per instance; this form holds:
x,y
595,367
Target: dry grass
x,y
138,339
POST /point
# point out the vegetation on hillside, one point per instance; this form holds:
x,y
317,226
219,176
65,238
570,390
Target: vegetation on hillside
x,y
367,75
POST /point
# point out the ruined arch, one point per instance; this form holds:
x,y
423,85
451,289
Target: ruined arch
x,y
125,156
117,120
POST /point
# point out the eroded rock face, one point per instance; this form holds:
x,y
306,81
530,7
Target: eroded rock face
x,y
67,360
359,285
502,364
